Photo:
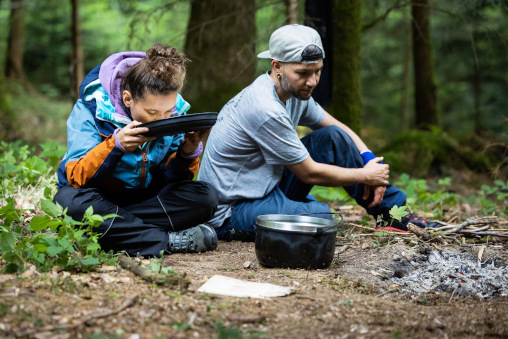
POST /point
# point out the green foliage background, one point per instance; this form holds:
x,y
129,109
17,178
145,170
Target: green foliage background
x,y
468,37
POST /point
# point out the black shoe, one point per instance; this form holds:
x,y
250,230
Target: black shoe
x,y
386,223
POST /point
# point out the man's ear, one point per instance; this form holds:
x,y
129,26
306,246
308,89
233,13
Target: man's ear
x,y
127,98
276,66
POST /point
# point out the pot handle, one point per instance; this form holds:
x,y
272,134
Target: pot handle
x,y
320,231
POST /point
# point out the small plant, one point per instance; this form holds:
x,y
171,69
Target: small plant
x,y
397,212
435,199
52,239
156,265
19,168
231,332
346,302
494,198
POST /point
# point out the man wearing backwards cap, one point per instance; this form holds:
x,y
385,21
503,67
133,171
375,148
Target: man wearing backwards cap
x,y
259,165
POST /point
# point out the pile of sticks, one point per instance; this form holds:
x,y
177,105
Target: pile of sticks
x,y
473,228
479,227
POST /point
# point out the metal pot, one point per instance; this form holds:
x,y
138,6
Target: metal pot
x,y
295,241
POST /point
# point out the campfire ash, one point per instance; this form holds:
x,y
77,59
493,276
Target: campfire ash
x,y
452,272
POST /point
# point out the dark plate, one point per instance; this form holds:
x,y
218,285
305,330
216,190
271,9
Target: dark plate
x,y
181,124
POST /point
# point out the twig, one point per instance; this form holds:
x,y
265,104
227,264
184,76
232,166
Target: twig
x,y
386,292
151,276
480,252
479,221
419,232
452,219
422,233
484,228
373,230
453,293
130,301
494,234
359,226
246,319
404,255
305,297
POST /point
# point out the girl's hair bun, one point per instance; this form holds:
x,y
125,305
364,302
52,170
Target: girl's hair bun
x,y
161,72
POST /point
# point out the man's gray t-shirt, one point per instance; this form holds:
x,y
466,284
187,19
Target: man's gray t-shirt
x,y
253,140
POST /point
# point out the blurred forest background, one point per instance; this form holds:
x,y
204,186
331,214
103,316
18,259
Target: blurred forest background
x,y
425,82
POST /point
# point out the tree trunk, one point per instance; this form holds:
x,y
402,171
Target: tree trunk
x,y
476,86
425,88
291,11
15,41
405,103
77,68
347,34
220,43
318,15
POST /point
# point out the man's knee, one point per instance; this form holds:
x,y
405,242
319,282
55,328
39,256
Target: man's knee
x,y
334,134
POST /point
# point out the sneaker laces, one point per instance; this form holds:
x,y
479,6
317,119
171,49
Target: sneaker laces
x,y
181,241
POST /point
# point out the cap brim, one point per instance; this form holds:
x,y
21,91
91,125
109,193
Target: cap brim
x,y
265,55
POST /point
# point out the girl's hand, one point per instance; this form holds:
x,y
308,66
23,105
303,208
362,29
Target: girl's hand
x,y
192,140
130,136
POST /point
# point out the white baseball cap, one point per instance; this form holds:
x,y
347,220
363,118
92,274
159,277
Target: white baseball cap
x,y
287,44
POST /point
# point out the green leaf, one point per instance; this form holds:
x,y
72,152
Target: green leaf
x,y
95,220
93,247
445,182
51,209
155,265
40,222
398,212
88,212
78,234
54,250
69,221
9,213
48,194
89,261
41,248
40,257
7,242
66,245
53,224
108,216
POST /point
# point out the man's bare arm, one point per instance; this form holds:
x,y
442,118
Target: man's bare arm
x,y
314,173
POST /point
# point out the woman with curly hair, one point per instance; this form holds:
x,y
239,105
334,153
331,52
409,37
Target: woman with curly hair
x,y
147,181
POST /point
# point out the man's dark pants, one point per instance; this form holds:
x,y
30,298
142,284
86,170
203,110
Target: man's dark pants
x,y
328,145
145,217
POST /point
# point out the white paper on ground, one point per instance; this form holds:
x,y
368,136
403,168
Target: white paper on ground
x,y
219,284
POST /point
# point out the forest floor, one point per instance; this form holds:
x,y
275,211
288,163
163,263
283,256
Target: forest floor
x,y
345,300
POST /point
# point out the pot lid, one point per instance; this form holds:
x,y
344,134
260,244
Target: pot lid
x,y
296,223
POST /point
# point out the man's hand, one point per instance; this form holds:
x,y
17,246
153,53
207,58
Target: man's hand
x,y
376,174
192,140
379,173
379,192
131,137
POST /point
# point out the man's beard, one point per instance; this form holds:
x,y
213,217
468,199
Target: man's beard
x,y
286,86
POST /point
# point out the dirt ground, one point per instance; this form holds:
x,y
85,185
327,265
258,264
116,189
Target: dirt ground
x,y
343,301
